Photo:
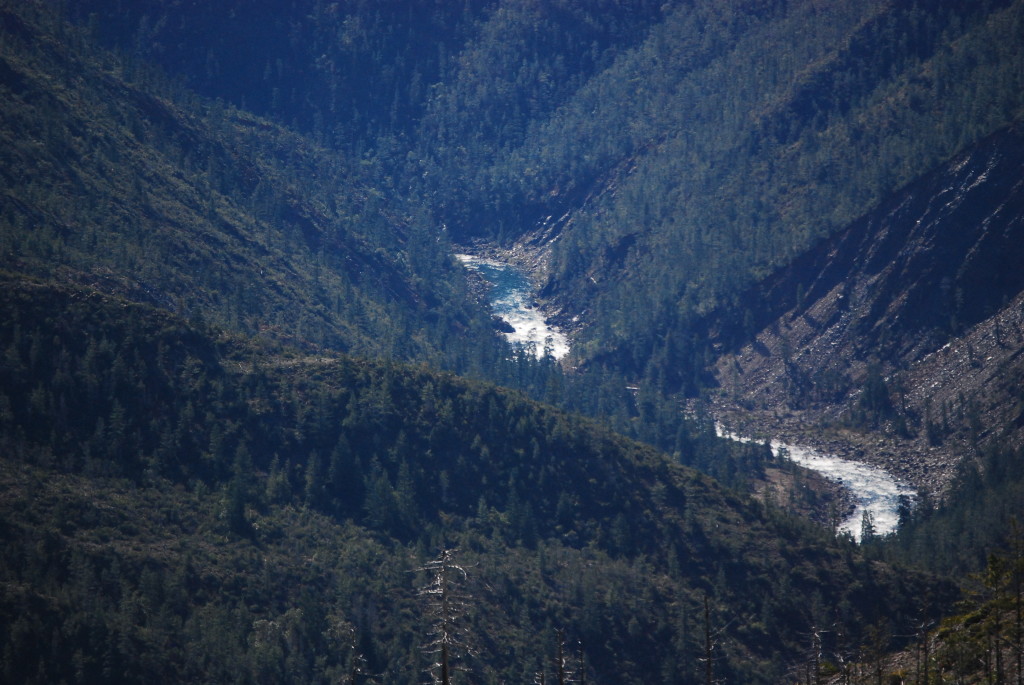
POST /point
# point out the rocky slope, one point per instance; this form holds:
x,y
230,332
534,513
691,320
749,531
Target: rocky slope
x,y
902,335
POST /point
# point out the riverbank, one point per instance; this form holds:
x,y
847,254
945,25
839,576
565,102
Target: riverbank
x,y
926,470
871,491
805,493
507,289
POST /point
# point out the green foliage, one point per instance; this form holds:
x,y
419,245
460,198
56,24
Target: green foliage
x,y
973,521
205,487
874,407
676,150
723,143
983,641
130,183
176,501
348,73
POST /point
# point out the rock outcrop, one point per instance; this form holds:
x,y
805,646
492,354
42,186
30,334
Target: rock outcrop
x,y
900,339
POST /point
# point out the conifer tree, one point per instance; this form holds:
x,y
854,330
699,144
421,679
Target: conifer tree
x,y
709,671
446,604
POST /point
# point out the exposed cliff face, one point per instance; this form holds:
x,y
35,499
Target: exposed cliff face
x,y
907,324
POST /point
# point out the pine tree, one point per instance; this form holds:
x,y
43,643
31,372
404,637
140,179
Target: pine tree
x,y
867,527
446,604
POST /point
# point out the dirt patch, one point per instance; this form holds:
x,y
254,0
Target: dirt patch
x,y
805,493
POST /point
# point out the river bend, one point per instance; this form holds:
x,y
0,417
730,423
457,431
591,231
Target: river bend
x,y
874,490
511,301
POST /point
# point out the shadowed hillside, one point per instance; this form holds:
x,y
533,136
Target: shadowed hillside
x,y
190,496
908,321
117,177
230,452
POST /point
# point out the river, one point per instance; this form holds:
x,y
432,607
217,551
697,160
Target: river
x,y
874,490
511,301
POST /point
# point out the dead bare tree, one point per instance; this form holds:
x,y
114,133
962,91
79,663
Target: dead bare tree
x,y
357,667
560,657
709,672
560,664
446,605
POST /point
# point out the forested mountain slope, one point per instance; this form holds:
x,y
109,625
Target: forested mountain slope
x,y
120,177
667,155
115,176
899,340
199,482
180,505
793,121
349,73
361,75
929,265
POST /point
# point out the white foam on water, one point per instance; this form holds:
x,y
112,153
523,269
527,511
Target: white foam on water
x,y
874,490
511,302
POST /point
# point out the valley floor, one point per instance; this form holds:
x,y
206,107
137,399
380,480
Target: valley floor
x,y
947,398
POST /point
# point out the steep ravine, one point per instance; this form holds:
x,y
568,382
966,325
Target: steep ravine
x,y
507,289
923,297
853,487
898,341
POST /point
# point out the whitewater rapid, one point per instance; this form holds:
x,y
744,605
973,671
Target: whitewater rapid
x,y
873,489
510,300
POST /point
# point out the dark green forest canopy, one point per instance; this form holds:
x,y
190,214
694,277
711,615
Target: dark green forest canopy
x,y
268,454
677,151
749,156
224,244
118,177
